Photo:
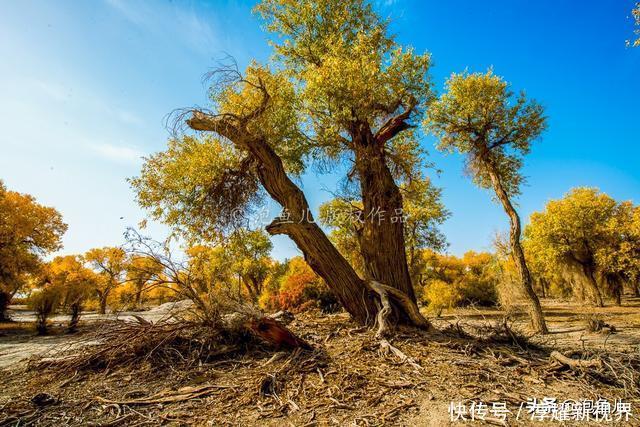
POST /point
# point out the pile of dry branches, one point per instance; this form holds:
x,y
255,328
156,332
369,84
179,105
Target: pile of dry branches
x,y
619,371
118,344
183,344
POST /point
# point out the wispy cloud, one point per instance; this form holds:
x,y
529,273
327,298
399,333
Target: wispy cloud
x,y
51,89
83,99
177,20
130,11
118,153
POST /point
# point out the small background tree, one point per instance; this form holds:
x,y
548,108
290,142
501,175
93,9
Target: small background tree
x,y
590,238
110,264
44,301
74,283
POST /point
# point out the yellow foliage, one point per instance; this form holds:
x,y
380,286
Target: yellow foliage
x,y
439,295
28,231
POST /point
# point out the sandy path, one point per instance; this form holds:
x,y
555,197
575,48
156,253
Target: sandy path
x,y
15,348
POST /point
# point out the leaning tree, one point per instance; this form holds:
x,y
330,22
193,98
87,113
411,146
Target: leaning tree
x,y
339,91
478,118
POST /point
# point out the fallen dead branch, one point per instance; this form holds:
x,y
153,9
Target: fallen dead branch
x,y
387,348
185,393
575,363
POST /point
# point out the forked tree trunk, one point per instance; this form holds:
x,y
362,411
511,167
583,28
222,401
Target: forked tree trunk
x,y
355,294
382,243
535,309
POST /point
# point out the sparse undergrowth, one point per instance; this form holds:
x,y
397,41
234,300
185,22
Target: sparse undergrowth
x,y
173,375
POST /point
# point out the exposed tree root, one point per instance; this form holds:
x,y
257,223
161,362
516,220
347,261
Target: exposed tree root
x,y
382,319
401,299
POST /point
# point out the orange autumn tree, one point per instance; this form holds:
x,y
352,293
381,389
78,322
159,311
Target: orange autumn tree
x,y
293,285
298,283
28,232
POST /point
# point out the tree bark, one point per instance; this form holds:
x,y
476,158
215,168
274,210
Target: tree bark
x,y
382,243
5,299
535,309
589,273
353,293
102,299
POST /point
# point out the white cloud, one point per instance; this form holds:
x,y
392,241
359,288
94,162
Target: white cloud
x,y
122,154
53,90
177,21
126,9
84,100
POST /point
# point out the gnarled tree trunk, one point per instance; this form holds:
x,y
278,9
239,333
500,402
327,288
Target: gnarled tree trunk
x,y
382,242
515,230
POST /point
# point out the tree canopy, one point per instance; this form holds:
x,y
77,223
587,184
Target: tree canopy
x,y
589,230
28,232
478,116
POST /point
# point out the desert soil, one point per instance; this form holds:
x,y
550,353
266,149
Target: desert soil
x,y
347,380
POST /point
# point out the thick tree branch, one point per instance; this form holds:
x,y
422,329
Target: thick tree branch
x,y
395,125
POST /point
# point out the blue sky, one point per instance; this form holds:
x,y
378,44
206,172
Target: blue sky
x,y
85,87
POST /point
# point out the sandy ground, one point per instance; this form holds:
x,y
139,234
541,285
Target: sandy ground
x,y
567,324
355,385
566,321
18,341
